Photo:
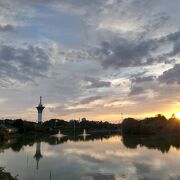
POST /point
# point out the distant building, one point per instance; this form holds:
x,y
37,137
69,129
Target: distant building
x,y
40,109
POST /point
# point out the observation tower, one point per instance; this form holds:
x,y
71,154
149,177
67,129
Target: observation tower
x,y
40,109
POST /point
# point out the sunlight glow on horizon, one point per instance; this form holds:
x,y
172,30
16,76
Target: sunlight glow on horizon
x,y
177,115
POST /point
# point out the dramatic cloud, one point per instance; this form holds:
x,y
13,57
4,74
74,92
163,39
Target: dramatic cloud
x,y
23,63
136,90
120,52
124,53
95,83
171,76
65,111
143,79
90,58
90,99
8,27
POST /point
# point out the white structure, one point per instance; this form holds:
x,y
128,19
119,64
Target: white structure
x,y
40,108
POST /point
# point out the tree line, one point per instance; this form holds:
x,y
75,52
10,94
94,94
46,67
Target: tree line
x,y
52,126
151,125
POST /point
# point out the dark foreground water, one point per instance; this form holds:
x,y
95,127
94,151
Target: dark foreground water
x,y
92,158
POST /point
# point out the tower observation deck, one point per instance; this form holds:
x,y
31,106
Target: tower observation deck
x,y
40,109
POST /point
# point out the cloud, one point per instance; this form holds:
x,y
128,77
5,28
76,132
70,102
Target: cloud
x,y
64,111
100,176
136,90
121,52
90,99
96,55
173,36
74,107
143,79
176,49
175,39
95,83
23,63
7,28
171,76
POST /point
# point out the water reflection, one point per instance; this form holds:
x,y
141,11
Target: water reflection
x,y
160,143
98,156
38,154
6,175
99,176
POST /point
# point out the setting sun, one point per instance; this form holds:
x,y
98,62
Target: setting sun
x,y
178,115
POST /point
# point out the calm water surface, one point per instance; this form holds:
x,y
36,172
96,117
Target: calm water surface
x,y
101,158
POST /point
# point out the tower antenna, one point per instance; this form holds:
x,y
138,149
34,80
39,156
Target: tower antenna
x,y
40,99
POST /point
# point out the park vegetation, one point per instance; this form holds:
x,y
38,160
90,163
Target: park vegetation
x,y
19,126
152,126
148,126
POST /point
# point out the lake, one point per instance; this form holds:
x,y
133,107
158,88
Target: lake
x,y
101,157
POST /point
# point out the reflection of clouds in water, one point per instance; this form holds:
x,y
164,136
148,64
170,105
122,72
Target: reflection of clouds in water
x,y
97,160
149,172
99,176
125,162
123,153
47,151
51,154
29,149
79,152
142,169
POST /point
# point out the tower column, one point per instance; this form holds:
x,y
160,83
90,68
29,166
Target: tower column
x,y
40,109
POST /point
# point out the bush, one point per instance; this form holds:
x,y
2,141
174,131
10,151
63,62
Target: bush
x,y
130,126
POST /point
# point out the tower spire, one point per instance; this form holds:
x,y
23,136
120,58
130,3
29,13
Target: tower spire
x,y
40,100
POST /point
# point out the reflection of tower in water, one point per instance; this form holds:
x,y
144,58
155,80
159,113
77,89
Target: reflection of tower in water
x,y
38,154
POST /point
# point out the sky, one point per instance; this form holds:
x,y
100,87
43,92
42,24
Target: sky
x,y
98,59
